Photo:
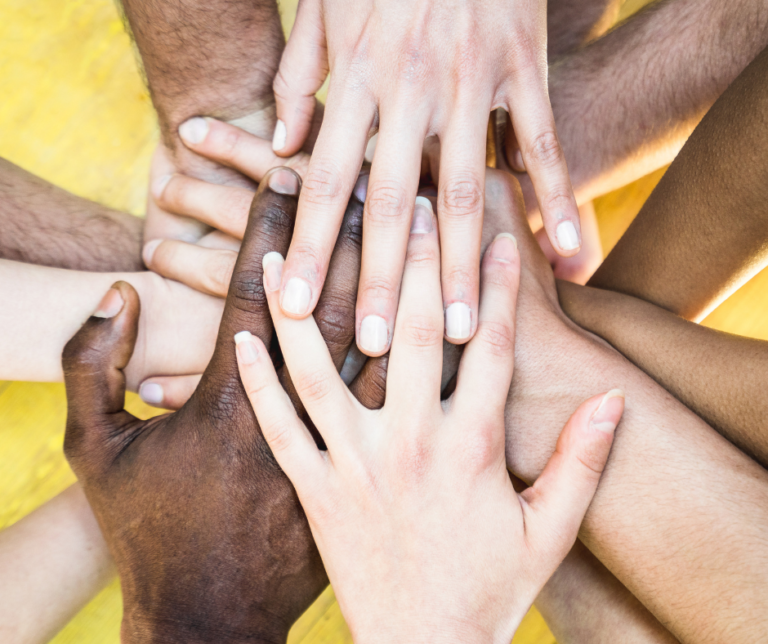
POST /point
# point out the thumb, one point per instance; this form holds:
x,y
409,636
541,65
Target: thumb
x,y
303,69
93,362
559,499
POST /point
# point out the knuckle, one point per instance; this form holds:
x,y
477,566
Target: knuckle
x,y
385,204
544,151
422,331
378,288
483,447
592,458
462,197
557,199
312,386
230,142
337,325
422,255
274,223
323,185
352,228
372,386
246,292
461,278
499,338
278,434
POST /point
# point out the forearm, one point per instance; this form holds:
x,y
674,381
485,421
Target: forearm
x,y
583,603
574,23
208,58
43,224
703,232
719,376
625,104
670,480
53,561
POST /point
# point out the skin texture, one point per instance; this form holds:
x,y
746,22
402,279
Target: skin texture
x,y
410,85
661,70
54,561
684,252
670,475
45,225
261,568
430,475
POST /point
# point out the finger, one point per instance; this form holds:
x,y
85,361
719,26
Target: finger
x,y
269,227
580,267
333,171
313,373
202,269
222,207
544,161
559,499
460,212
162,224
169,392
416,358
93,362
233,147
509,157
288,438
370,385
485,371
389,204
303,68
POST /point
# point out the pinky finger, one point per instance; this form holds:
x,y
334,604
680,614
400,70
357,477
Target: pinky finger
x,y
288,438
168,392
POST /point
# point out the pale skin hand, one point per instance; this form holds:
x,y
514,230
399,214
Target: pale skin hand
x,y
465,555
50,304
670,476
390,70
54,561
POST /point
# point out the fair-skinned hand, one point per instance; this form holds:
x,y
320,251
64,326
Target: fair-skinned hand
x,y
411,506
413,70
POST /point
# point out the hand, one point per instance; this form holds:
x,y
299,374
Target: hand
x,y
411,507
206,532
413,70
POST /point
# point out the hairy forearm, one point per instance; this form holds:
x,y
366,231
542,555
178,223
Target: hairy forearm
x,y
625,104
53,561
208,58
719,376
43,224
703,232
583,603
574,23
670,480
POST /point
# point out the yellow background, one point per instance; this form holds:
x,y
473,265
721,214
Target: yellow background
x,y
73,110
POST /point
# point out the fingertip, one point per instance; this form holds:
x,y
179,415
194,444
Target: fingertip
x,y
158,186
272,265
567,238
284,181
246,348
110,305
193,131
152,393
606,417
504,249
280,136
149,251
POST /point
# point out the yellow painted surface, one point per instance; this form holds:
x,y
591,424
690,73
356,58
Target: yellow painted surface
x,y
73,110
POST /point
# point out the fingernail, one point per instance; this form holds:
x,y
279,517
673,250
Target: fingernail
x,y
245,347
284,182
567,237
370,148
111,304
504,248
422,217
607,415
273,271
458,321
280,136
194,130
296,296
149,250
158,185
374,334
151,393
519,163
361,188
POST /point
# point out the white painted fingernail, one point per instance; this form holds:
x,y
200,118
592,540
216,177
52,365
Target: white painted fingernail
x,y
151,393
370,149
149,250
458,321
158,185
567,237
422,217
296,296
272,263
280,136
194,130
374,334
245,347
361,188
